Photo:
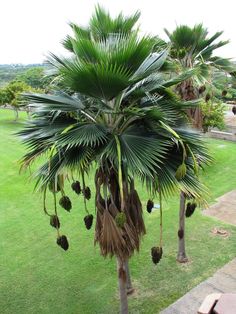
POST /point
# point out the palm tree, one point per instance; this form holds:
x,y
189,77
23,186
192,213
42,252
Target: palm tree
x,y
192,48
100,27
115,113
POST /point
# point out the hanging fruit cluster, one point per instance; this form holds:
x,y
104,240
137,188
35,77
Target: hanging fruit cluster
x,y
190,208
65,202
207,97
202,89
87,193
150,206
224,93
63,242
120,219
76,187
156,253
54,221
181,233
88,220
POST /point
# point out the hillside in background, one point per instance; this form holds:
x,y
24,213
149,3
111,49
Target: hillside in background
x,y
9,72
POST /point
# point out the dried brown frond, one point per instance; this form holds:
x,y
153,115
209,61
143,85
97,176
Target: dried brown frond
x,y
111,241
136,212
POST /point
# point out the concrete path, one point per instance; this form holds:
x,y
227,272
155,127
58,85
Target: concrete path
x,y
230,118
224,209
224,280
229,132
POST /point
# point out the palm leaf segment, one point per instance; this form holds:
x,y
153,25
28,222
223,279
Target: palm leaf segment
x,y
117,96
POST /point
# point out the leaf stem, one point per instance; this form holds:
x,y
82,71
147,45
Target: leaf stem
x,y
83,183
55,208
120,172
44,202
161,218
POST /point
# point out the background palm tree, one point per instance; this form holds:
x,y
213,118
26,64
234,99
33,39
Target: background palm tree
x,y
192,48
115,114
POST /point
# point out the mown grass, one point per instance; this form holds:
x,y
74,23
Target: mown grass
x,y
38,277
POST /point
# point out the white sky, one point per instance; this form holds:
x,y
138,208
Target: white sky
x,y
29,29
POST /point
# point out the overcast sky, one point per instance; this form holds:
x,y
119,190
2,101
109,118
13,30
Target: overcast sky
x,y
29,29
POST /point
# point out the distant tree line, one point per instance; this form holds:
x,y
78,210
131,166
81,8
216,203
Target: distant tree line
x,y
22,79
10,72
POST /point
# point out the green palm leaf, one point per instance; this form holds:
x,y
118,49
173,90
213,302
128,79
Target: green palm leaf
x,y
84,134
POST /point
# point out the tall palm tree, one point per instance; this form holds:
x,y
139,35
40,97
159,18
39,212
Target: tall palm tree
x,y
193,48
115,113
100,27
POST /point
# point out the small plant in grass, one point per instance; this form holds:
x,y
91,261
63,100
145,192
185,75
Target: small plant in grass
x,y
213,115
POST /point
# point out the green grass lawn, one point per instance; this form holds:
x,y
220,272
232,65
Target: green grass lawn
x,y
36,276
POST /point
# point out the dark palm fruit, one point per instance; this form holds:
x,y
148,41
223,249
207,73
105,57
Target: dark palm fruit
x,y
224,93
150,206
63,242
188,206
234,110
156,253
202,89
76,187
120,219
181,233
190,209
87,193
54,188
208,97
193,207
54,221
182,53
65,203
88,220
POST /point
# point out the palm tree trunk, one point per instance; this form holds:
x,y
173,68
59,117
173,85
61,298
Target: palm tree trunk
x,y
181,256
197,118
16,114
129,286
28,112
122,277
188,92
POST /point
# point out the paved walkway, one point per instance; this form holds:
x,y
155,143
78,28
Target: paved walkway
x,y
224,209
224,280
230,118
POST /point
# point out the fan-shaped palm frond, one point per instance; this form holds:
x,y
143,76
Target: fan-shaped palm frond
x,y
101,26
103,69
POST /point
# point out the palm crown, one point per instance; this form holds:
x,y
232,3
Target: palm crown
x,y
193,46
